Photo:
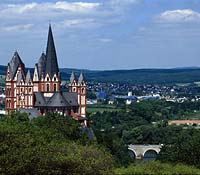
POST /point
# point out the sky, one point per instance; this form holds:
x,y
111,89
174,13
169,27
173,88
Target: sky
x,y
103,34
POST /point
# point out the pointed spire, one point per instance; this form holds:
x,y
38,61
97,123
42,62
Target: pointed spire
x,y
51,58
14,63
28,77
81,78
72,77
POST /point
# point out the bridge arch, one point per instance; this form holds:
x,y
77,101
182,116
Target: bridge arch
x,y
151,149
150,154
133,152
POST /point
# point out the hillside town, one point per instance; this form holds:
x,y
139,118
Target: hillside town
x,y
114,92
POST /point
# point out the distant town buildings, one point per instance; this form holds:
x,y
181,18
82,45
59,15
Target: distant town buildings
x,y
116,92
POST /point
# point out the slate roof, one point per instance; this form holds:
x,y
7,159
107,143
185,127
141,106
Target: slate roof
x,y
89,131
39,99
28,77
51,58
41,65
71,98
32,113
14,63
58,99
72,77
81,78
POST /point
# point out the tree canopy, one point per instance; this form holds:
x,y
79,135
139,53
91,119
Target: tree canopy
x,y
50,144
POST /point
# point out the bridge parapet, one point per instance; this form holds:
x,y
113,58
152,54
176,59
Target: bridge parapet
x,y
140,150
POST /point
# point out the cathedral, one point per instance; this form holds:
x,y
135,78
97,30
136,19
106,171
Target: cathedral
x,y
41,91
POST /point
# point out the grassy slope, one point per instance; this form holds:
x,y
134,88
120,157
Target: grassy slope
x,y
157,168
101,108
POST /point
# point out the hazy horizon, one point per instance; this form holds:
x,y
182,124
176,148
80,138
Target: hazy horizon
x,y
103,34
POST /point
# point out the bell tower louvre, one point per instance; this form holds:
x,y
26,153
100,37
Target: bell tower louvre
x,y
41,91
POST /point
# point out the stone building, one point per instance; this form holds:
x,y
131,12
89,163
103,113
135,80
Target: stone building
x,y
41,91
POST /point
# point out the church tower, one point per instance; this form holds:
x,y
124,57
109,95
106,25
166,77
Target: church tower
x,y
82,95
15,74
73,85
46,74
79,87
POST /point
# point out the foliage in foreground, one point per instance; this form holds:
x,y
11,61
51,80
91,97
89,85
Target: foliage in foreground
x,y
48,145
185,149
157,168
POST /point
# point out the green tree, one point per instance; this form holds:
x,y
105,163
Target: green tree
x,y
185,149
33,148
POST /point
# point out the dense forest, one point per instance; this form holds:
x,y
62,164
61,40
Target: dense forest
x,y
54,144
147,123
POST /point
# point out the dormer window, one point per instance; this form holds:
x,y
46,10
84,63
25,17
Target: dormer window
x,y
47,78
54,78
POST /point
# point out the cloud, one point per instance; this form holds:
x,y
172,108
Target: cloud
x,y
123,2
119,6
14,15
16,28
105,40
185,15
79,23
65,14
57,7
76,6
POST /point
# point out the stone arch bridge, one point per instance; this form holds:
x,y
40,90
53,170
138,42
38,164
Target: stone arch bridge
x,y
144,151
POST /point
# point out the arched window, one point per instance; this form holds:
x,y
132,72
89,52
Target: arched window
x,y
82,90
54,87
47,87
54,78
47,78
74,89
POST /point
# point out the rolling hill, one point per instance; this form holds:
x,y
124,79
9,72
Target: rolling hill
x,y
135,76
